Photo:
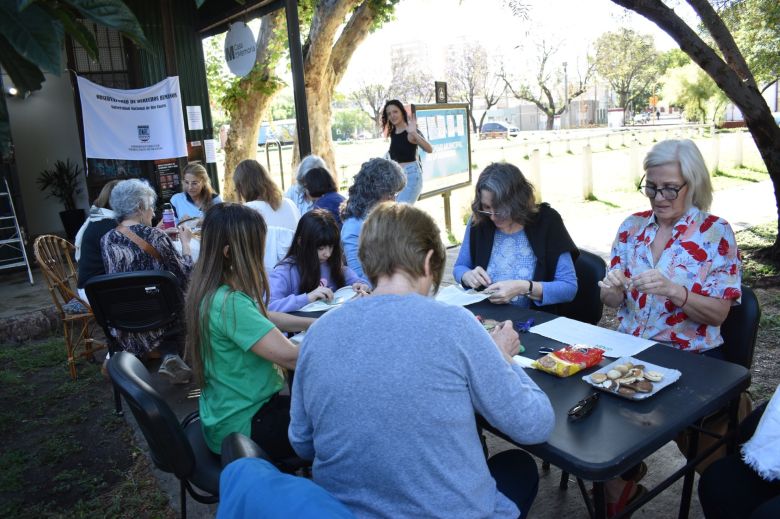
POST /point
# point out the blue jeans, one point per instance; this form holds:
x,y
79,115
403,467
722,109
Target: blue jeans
x,y
413,188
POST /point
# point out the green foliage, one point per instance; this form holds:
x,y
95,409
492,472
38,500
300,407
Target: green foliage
x,y
755,26
692,89
282,107
32,34
348,124
62,182
630,63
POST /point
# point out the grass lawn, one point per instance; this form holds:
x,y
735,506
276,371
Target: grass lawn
x,y
64,452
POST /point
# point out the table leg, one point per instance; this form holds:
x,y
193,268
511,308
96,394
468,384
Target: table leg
x,y
685,500
599,500
733,427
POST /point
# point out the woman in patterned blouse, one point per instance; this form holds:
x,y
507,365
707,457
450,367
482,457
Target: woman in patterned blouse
x,y
675,270
135,245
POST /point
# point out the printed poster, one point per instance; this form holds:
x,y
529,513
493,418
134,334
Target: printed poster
x,y
141,124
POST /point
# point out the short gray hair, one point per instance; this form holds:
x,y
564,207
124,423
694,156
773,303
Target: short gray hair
x,y
309,162
130,197
377,179
686,154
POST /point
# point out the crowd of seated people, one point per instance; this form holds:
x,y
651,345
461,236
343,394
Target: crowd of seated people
x,y
376,380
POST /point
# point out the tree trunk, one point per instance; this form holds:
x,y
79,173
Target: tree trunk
x,y
249,99
325,63
482,119
550,121
473,120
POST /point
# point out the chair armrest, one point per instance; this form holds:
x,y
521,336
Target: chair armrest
x,y
236,445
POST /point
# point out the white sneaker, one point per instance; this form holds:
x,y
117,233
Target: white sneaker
x,y
175,369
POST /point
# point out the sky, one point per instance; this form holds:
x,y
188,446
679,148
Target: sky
x,y
572,24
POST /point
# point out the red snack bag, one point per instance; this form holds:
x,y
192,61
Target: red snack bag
x,y
569,360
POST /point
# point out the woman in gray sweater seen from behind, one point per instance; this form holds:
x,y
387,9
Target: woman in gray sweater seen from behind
x,y
387,387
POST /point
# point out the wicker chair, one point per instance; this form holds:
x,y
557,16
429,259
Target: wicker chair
x,y
55,257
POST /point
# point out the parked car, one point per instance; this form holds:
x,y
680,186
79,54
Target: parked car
x,y
642,118
498,130
277,131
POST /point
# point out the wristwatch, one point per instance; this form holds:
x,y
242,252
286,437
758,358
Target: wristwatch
x,y
530,289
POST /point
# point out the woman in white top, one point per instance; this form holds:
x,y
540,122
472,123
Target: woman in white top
x,y
259,192
196,196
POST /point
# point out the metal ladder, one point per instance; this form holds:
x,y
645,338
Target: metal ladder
x,y
12,251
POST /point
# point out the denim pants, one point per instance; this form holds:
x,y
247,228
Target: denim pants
x,y
413,188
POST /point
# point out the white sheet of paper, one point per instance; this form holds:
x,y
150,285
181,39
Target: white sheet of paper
x,y
569,331
298,338
210,145
523,362
194,118
455,295
340,296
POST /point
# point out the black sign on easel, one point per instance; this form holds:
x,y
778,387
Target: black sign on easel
x,y
441,91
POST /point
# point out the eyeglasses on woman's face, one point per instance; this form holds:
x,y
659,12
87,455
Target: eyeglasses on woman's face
x,y
667,192
500,215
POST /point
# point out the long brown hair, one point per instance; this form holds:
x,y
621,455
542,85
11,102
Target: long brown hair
x,y
243,231
253,183
206,195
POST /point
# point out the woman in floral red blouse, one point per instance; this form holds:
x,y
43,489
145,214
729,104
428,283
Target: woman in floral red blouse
x,y
675,270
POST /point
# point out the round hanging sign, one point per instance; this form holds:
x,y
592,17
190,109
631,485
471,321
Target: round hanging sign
x,y
240,49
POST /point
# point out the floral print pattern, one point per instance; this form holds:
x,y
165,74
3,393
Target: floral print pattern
x,y
701,255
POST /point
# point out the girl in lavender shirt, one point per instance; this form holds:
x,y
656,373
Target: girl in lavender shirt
x,y
314,266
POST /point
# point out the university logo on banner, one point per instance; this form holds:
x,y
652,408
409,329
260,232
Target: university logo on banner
x,y
142,124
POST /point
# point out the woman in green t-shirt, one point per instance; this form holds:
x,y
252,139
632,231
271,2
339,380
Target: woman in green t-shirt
x,y
237,352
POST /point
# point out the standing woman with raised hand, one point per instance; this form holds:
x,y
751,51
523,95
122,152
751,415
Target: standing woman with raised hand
x,y
404,140
196,196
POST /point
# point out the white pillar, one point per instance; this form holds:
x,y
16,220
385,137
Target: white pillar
x,y
587,173
536,174
738,149
715,152
633,165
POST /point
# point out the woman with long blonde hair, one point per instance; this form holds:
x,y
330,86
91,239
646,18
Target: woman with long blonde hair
x,y
235,348
255,187
196,195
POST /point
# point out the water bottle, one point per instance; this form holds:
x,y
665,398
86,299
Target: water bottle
x,y
168,222
168,219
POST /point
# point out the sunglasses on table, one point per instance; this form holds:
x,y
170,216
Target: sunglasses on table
x,y
584,407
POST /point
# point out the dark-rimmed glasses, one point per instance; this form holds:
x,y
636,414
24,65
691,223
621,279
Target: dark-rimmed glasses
x,y
668,192
584,407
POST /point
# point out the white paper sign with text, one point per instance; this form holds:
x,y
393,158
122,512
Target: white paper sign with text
x,y
142,124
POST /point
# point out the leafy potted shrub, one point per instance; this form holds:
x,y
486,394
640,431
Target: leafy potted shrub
x,y
62,182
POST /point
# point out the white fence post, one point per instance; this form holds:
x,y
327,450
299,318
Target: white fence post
x,y
587,173
715,152
536,174
738,149
633,165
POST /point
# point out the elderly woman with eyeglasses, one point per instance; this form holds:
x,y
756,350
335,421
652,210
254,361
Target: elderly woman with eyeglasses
x,y
514,248
674,272
675,269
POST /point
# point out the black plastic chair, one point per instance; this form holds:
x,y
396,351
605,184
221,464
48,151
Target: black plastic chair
x,y
177,448
586,306
740,329
134,302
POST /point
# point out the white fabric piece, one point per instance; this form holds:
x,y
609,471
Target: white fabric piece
x,y
95,215
286,216
762,451
277,243
141,124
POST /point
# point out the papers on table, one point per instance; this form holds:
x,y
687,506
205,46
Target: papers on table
x,y
569,331
298,338
523,362
455,295
340,296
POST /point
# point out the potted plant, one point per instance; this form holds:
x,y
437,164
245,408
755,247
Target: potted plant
x,y
62,183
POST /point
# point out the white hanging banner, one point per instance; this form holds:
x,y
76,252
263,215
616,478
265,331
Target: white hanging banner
x,y
142,124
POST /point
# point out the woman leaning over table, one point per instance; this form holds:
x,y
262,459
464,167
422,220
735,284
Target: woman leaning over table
x,y
135,245
255,187
196,196
404,141
513,247
377,181
385,393
237,351
675,270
